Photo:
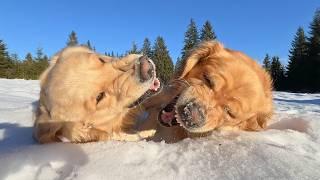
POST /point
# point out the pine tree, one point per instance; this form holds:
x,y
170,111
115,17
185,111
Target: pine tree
x,y
41,62
177,65
89,45
314,53
297,76
162,60
277,73
134,49
207,32
5,62
146,48
16,66
72,40
29,70
191,39
266,63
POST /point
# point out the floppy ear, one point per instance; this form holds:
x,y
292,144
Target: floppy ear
x,y
199,53
125,62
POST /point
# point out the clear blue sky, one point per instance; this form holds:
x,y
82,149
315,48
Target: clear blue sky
x,y
252,26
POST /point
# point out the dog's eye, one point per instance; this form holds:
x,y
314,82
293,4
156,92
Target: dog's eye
x,y
100,97
208,81
229,111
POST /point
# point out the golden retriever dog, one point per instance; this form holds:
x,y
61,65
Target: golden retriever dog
x,y
87,97
216,89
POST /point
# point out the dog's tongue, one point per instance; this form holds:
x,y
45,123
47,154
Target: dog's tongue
x,y
155,85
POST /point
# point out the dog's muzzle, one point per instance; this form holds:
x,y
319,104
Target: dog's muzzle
x,y
192,115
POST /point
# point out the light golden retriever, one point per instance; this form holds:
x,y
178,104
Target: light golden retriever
x,y
90,97
216,89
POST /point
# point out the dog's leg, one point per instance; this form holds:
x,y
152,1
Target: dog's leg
x,y
77,132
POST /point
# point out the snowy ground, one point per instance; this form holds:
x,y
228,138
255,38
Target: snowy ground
x,y
289,149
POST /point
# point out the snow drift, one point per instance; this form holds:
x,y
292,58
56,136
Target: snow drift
x,y
288,149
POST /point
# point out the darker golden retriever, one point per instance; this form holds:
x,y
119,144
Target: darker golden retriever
x,y
217,88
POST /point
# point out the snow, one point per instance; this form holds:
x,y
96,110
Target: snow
x,y
288,149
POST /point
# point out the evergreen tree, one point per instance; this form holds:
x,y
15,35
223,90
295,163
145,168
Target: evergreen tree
x,y
191,39
72,40
146,48
134,49
41,62
207,32
16,66
178,65
162,60
296,72
89,45
266,63
29,69
314,53
277,73
5,62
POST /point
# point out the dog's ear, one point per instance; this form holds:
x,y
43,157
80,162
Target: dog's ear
x,y
199,53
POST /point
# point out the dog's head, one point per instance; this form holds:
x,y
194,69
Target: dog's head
x,y
81,85
221,88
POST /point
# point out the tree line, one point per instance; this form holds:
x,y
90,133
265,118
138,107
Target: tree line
x,y
302,73
31,66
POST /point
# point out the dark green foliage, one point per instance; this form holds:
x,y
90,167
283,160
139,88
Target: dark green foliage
x,y
313,62
277,73
178,64
72,40
89,45
296,72
146,48
191,39
162,60
207,32
266,64
134,49
5,62
30,68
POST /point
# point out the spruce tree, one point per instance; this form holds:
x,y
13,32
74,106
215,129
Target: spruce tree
x,y
266,63
146,48
207,32
314,53
5,63
41,62
72,40
178,65
191,39
296,68
16,66
29,69
89,45
277,73
162,60
134,49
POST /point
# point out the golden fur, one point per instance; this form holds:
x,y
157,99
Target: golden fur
x,y
71,86
230,89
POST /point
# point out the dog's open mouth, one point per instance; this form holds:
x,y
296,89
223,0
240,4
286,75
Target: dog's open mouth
x,y
168,116
154,87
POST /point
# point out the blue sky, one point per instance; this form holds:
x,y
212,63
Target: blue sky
x,y
252,26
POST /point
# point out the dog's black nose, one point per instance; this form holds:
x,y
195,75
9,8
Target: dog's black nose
x,y
192,115
146,68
